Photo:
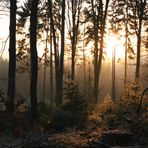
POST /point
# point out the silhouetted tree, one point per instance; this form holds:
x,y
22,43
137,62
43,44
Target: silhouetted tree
x,y
12,54
136,17
61,66
57,22
140,9
96,13
51,72
74,23
116,20
34,60
56,54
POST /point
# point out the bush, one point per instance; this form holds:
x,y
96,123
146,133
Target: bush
x,y
106,111
74,110
123,112
127,107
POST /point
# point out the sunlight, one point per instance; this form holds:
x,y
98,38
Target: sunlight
x,y
112,43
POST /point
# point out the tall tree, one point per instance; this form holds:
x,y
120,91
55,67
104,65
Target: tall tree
x,y
97,14
140,8
120,20
57,22
116,15
51,72
54,38
12,54
45,52
74,9
61,66
126,43
34,59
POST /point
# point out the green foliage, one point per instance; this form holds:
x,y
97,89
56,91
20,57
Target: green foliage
x,y
127,105
123,112
104,113
44,115
126,111
74,110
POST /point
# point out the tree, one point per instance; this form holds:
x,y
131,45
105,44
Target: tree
x,y
126,43
45,52
140,8
12,54
61,66
136,18
116,16
34,59
57,22
51,72
74,9
56,54
97,14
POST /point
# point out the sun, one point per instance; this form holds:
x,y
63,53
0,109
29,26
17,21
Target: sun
x,y
115,44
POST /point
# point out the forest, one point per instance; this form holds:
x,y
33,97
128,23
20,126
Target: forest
x,y
73,73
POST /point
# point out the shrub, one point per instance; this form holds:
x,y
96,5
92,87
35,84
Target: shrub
x,y
127,105
123,112
127,108
74,110
106,111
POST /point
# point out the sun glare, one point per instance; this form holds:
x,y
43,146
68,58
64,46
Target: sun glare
x,y
112,43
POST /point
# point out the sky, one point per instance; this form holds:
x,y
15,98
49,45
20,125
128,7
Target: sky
x,y
4,27
4,31
4,24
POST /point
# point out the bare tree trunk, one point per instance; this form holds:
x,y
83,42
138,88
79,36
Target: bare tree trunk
x,y
73,39
51,74
56,57
76,7
113,73
140,12
34,59
126,43
61,68
12,55
138,52
101,26
45,59
84,61
89,79
96,27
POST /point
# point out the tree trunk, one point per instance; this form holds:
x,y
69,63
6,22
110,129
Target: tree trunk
x,y
76,7
73,40
34,59
140,12
45,59
101,26
12,55
113,73
51,73
138,51
126,46
56,57
84,61
96,78
61,68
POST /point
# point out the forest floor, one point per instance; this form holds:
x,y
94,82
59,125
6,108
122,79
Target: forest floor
x,y
69,138
17,132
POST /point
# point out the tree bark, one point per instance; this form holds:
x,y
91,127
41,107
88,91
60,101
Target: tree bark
x,y
34,59
61,68
12,55
140,11
56,57
98,61
51,73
